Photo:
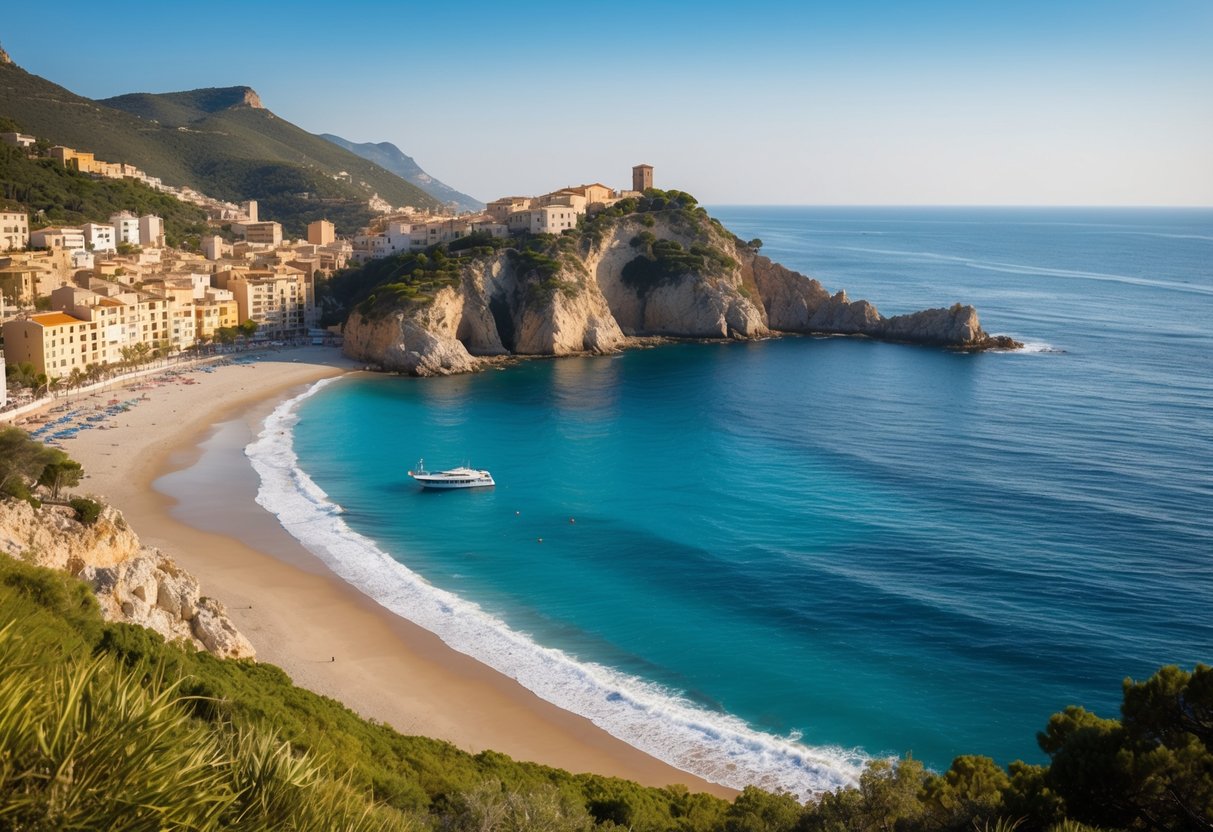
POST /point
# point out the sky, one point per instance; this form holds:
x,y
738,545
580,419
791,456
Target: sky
x,y
867,102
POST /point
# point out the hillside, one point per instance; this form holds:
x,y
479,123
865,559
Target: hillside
x,y
229,744
53,195
219,141
394,159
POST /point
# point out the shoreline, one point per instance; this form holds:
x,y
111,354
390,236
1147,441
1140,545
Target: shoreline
x,y
295,611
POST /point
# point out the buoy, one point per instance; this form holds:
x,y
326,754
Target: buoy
x,y
571,520
517,513
540,540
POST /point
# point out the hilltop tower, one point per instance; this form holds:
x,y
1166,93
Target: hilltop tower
x,y
642,178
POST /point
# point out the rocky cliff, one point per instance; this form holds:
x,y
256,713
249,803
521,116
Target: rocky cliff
x,y
134,583
672,272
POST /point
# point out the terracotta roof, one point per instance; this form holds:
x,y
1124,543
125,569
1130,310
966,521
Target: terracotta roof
x,y
54,319
110,302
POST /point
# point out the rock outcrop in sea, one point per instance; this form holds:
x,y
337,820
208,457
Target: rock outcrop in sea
x,y
670,272
133,583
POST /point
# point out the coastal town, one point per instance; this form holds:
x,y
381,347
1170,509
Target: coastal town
x,y
79,303
407,458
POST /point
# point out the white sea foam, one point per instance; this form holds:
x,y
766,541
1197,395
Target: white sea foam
x,y
716,746
1035,347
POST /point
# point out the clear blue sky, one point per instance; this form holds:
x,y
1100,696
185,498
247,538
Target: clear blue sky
x,y
1091,102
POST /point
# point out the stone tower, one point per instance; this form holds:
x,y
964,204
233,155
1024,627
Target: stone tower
x,y
642,178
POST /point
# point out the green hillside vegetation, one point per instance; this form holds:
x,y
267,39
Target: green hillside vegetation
x,y
387,283
213,141
100,721
54,195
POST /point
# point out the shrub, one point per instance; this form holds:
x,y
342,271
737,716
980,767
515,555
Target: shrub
x,y
87,511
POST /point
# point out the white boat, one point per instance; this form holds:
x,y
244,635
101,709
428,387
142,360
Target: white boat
x,y
454,478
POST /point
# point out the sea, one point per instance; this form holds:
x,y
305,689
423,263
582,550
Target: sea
x,y
770,562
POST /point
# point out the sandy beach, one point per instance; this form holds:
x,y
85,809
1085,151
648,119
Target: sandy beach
x,y
329,637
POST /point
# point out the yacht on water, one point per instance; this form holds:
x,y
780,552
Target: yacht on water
x,y
454,478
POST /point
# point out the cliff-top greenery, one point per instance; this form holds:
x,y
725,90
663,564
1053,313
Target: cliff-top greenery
x,y
547,263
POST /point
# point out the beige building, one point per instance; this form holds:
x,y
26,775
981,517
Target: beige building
x,y
215,313
55,343
18,284
151,231
551,219
58,237
124,319
500,209
14,230
274,300
321,233
263,233
18,140
213,247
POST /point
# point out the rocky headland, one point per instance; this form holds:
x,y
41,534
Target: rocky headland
x,y
658,266
133,583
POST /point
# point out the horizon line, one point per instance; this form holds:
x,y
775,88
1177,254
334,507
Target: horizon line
x,y
953,205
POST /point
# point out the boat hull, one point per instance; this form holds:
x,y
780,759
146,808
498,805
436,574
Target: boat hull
x,y
446,485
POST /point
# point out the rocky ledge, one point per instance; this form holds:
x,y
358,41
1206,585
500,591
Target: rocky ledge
x,y
133,583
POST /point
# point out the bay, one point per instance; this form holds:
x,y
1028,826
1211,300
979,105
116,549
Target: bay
x,y
769,561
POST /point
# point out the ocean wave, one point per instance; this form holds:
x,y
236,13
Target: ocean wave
x,y
715,746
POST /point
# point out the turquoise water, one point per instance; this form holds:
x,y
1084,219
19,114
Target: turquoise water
x,y
768,561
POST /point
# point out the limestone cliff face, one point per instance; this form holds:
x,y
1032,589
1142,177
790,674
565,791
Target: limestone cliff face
x,y
612,286
711,304
133,583
420,342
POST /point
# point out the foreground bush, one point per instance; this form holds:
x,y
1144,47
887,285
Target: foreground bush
x,y
88,744
104,726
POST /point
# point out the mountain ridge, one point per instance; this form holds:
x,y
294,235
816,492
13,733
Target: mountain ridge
x,y
220,140
391,157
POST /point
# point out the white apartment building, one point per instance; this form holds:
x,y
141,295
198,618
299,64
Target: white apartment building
x,y
126,228
101,237
551,219
14,230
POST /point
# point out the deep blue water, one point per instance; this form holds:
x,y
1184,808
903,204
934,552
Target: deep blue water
x,y
856,548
